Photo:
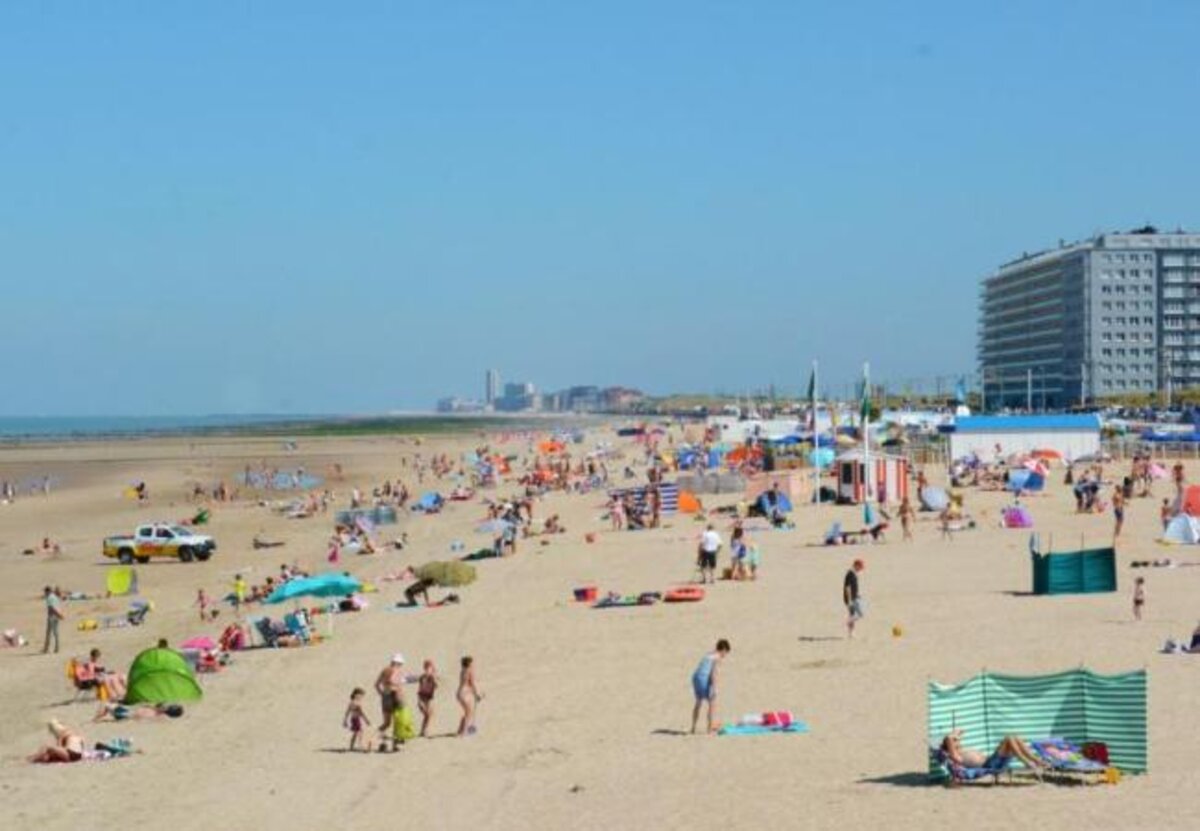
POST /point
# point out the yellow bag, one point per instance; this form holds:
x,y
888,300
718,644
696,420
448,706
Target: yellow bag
x,y
403,728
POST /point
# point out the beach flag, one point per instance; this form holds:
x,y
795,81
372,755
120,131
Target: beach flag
x,y
960,392
812,398
864,407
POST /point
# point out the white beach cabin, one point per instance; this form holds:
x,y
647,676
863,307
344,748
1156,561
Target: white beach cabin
x,y
1071,435
889,480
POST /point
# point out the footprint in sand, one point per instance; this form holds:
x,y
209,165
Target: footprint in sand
x,y
831,663
541,757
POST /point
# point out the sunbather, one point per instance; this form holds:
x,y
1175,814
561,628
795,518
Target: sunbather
x,y
144,712
68,745
1010,747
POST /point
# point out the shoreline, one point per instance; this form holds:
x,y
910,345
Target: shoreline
x,y
294,427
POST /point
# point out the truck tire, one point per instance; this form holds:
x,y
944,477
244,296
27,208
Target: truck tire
x,y
142,560
125,557
203,556
185,554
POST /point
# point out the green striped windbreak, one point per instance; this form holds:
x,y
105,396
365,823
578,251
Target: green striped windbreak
x,y
1078,705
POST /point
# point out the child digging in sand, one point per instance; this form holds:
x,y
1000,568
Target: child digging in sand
x,y
356,722
468,696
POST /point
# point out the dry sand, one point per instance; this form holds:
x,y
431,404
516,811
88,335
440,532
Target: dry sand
x,y
584,712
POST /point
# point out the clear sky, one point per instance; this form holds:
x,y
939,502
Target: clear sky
x,y
353,207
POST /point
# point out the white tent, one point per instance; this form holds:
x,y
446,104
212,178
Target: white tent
x,y
1183,530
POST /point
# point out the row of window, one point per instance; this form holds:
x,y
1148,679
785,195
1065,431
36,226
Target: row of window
x,y
1120,305
1121,321
1123,369
1132,257
1122,384
1121,273
1148,288
1122,337
1132,352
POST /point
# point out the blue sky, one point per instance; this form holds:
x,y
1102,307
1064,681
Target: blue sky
x,y
314,207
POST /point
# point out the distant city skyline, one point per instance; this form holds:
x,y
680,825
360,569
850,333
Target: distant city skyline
x,y
226,208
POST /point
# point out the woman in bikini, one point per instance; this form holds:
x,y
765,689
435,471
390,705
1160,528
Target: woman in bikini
x,y
468,696
427,686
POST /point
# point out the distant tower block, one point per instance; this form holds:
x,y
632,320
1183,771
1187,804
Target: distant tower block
x,y
492,390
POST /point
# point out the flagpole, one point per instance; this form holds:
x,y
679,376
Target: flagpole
x,y
816,443
866,428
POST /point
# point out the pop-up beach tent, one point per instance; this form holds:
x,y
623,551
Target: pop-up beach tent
x,y
161,676
1017,516
765,499
1078,705
121,580
1087,571
934,499
1025,480
1182,530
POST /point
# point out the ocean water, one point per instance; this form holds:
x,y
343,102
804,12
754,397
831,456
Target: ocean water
x,y
48,427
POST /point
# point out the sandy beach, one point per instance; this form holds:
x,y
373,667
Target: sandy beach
x,y
586,711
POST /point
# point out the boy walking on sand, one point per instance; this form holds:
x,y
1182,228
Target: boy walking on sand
x,y
851,597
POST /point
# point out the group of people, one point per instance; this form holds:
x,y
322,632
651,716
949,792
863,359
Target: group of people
x,y
397,724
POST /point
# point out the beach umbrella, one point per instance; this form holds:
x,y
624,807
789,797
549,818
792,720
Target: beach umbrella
x,y
1048,454
322,585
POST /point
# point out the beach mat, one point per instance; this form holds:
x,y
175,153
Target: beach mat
x,y
761,729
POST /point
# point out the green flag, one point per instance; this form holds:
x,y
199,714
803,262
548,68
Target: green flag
x,y
812,385
864,409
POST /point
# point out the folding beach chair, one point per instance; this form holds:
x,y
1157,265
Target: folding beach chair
x,y
1063,756
957,774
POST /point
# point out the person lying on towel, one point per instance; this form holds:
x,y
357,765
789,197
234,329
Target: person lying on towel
x,y
1010,747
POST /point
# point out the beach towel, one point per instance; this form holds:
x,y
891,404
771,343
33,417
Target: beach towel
x,y
761,729
1061,754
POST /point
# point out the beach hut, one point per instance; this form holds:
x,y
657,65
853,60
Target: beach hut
x,y
161,676
992,438
1078,705
888,478
1087,571
796,485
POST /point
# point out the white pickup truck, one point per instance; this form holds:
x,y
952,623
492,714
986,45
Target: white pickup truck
x,y
160,539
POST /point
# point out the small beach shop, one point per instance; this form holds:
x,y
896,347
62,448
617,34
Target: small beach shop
x,y
887,479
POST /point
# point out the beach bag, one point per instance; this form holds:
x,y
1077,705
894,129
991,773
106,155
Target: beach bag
x,y
403,728
1096,751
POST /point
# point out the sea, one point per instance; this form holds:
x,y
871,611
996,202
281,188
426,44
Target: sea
x,y
84,427
59,428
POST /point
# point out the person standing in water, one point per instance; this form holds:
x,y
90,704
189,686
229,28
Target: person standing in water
x,y
704,684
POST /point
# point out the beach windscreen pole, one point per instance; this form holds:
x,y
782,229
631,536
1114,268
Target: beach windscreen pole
x,y
865,422
812,397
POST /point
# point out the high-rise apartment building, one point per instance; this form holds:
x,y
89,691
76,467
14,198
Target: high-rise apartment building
x,y
491,388
1112,315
